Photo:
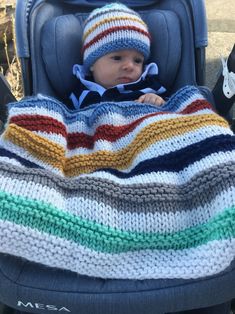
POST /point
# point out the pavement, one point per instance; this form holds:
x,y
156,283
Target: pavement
x,y
221,35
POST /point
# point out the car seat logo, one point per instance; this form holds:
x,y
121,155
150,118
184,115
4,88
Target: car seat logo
x,y
41,306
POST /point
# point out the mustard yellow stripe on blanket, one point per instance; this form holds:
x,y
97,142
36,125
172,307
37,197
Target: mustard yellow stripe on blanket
x,y
54,154
39,147
157,131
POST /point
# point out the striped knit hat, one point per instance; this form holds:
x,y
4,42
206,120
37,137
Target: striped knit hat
x,y
111,28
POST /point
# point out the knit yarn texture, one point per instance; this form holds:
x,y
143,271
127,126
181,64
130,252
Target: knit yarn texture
x,y
119,190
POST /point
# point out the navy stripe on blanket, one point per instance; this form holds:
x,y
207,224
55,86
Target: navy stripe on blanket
x,y
180,159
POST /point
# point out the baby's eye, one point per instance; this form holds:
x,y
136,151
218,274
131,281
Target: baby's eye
x,y
116,58
139,60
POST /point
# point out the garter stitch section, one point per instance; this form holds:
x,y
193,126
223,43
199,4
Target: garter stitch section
x,y
119,190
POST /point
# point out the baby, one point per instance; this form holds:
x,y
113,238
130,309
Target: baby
x,y
116,45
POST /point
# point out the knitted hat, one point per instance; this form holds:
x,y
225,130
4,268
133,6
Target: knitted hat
x,y
111,28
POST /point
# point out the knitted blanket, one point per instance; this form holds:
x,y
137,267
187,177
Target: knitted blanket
x,y
119,190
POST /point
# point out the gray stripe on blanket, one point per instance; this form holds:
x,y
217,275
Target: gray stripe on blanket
x,y
199,191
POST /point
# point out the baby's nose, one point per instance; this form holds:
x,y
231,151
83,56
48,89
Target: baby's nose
x,y
127,65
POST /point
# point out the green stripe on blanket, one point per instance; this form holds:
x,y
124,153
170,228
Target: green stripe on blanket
x,y
48,219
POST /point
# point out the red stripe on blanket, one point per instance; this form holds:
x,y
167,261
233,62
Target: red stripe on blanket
x,y
105,132
197,105
113,133
39,123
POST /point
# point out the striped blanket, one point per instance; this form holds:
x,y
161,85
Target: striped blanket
x,y
119,190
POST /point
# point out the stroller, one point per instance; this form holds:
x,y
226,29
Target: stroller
x,y
48,36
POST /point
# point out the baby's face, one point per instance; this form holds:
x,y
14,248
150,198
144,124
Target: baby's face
x,y
120,67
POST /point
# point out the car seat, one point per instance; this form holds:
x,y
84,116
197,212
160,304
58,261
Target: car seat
x,y
48,42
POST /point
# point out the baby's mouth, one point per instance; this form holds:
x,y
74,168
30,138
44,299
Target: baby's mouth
x,y
125,79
